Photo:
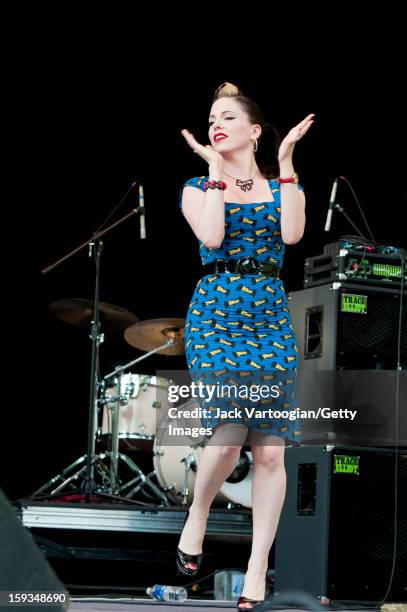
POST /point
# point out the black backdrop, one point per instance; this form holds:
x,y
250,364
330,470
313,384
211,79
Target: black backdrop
x,y
91,119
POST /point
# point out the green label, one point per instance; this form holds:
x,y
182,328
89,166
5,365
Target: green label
x,y
346,464
354,303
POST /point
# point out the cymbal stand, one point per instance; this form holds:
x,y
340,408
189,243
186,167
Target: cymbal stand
x,y
66,478
88,485
128,365
113,403
71,474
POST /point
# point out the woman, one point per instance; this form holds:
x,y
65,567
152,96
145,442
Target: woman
x,y
238,319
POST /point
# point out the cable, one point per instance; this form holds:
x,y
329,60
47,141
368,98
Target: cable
x,y
398,370
359,206
133,184
359,241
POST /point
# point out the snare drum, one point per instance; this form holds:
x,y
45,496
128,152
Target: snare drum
x,y
142,407
176,466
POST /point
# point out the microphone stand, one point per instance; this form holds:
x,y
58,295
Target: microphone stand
x,y
95,245
340,209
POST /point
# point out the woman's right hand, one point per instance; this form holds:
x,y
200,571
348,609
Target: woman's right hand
x,y
206,152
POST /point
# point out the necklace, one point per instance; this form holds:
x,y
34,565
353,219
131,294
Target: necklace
x,y
244,185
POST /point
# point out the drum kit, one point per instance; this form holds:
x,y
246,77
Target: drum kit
x,y
130,410
131,417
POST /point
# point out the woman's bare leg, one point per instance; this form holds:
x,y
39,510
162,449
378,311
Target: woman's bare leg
x,y
218,460
268,493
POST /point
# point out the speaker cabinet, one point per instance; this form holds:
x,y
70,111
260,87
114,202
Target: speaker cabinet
x,y
336,533
340,325
349,337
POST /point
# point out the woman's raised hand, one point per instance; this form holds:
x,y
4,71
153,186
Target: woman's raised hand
x,y
204,151
294,135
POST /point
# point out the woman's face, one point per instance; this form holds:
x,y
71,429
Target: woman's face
x,y
228,117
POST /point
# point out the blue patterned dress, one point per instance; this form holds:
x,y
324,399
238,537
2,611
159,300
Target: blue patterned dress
x,y
241,323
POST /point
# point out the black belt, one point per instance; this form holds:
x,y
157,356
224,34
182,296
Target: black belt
x,y
244,265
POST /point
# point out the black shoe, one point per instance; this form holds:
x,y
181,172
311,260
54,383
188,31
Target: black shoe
x,y
254,603
183,559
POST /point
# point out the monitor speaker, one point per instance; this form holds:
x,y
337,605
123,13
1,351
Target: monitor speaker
x,y
23,567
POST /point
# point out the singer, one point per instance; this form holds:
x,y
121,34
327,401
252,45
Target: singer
x,y
243,213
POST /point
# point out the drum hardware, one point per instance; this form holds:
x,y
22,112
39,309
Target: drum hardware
x,y
64,479
114,403
176,463
233,506
168,343
189,464
125,390
145,479
242,468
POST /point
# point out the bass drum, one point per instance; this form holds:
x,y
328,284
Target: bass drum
x,y
176,462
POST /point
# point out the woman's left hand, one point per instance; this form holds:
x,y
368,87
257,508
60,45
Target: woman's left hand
x,y
294,135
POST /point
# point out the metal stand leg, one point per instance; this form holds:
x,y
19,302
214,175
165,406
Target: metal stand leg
x,y
63,477
111,474
59,477
145,481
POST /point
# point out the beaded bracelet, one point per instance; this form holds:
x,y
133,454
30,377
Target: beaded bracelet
x,y
215,185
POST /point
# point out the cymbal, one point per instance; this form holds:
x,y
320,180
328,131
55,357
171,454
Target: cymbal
x,y
152,333
78,311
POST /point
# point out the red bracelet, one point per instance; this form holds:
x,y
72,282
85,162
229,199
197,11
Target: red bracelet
x,y
290,179
215,185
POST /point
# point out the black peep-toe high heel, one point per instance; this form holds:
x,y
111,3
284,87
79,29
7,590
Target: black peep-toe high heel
x,y
183,559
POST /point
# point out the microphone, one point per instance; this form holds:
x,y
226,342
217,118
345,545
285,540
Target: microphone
x,y
142,211
331,206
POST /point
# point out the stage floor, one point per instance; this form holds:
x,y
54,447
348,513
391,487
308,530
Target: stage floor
x,y
199,605
142,605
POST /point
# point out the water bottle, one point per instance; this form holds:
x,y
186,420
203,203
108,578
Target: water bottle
x,y
163,592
